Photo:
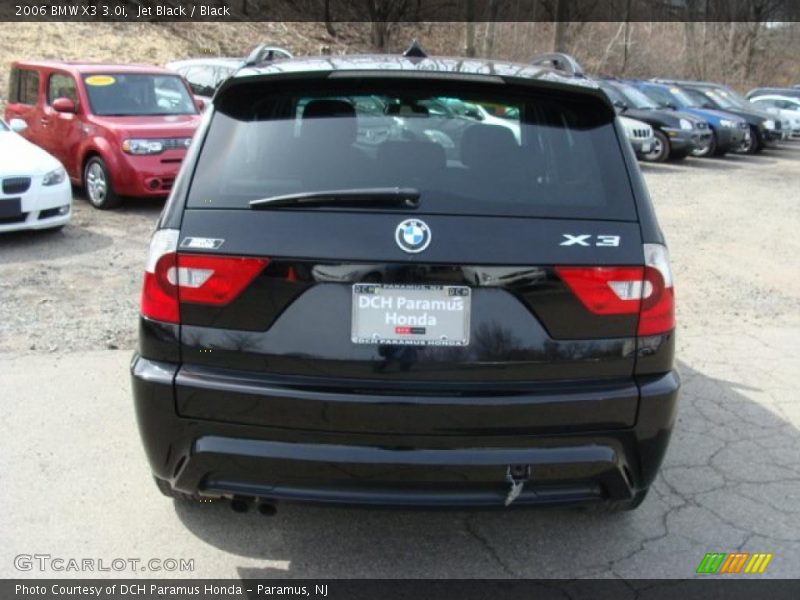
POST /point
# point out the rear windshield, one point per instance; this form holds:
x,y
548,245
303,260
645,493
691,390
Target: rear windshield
x,y
467,148
125,94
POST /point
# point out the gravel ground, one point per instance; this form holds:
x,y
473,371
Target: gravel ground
x,y
730,223
77,289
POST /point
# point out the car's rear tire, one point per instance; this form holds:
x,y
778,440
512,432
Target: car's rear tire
x,y
97,184
661,148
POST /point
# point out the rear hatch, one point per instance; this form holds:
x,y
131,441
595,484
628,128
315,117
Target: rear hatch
x,y
354,256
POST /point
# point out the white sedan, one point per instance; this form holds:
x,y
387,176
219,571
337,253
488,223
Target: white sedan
x,y
786,107
35,192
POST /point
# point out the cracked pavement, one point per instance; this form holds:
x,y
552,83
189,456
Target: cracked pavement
x,y
75,483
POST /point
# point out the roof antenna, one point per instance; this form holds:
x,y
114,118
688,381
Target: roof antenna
x,y
415,50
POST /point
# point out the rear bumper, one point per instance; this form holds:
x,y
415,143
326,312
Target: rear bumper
x,y
225,459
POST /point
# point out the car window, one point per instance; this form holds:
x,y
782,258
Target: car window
x,y
202,80
61,86
636,98
24,86
138,94
699,99
720,98
559,157
221,74
660,96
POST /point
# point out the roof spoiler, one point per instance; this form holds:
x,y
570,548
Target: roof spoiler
x,y
559,61
266,53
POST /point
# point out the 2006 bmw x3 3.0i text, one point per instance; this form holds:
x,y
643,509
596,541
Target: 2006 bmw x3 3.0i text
x,y
356,296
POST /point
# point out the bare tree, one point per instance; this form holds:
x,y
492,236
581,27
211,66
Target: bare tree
x,y
328,22
469,29
560,16
383,15
488,41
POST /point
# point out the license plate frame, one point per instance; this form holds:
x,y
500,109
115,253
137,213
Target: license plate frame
x,y
10,208
405,315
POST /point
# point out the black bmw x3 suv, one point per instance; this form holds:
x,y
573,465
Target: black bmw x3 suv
x,y
353,297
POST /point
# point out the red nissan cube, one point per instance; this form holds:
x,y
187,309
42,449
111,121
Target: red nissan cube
x,y
119,130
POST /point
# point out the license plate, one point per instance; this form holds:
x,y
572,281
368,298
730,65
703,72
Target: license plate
x,y
646,147
10,207
416,315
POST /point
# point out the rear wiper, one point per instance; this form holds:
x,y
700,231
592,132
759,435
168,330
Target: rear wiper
x,y
359,197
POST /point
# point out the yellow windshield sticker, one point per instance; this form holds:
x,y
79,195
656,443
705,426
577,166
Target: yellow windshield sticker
x,y
100,80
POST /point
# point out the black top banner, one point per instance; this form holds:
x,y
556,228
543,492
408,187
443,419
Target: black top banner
x,y
401,10
398,589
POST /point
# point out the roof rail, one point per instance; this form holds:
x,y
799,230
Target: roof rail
x,y
415,50
560,62
264,53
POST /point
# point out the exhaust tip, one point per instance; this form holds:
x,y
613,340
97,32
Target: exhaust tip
x,y
267,509
240,505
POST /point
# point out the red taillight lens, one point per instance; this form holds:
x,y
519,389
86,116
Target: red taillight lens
x,y
644,290
658,308
171,278
159,296
208,279
605,290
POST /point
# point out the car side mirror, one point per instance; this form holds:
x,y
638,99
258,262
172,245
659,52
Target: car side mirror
x,y
671,106
64,105
17,125
620,105
200,104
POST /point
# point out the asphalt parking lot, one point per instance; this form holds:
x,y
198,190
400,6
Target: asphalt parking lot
x,y
74,480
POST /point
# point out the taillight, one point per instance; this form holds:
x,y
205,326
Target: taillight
x,y
171,278
658,308
159,296
211,279
644,290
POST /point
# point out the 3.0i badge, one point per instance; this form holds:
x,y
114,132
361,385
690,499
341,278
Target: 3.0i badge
x,y
412,235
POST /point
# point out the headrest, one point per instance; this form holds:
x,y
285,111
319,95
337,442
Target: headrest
x,y
486,143
328,108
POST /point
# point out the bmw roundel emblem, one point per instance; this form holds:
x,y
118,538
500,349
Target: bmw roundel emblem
x,y
412,235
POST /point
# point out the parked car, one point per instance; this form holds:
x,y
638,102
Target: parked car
x,y
792,92
34,188
332,321
763,126
478,112
639,134
728,131
785,107
206,74
119,130
677,134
